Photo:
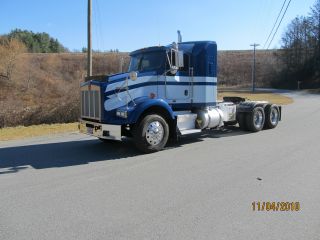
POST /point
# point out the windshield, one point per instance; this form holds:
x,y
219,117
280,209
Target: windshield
x,y
147,61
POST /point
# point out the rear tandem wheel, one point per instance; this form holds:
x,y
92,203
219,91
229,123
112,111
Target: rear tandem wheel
x,y
252,121
272,116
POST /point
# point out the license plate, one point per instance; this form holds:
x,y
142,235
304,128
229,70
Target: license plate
x,y
90,130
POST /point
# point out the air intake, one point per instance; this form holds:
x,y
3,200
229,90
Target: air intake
x,y
90,102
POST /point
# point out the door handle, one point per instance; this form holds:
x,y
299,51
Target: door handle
x,y
186,92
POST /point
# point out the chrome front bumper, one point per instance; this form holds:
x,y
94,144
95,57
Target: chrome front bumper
x,y
105,131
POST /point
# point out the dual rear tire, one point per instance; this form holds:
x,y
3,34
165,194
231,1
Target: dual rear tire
x,y
272,116
259,118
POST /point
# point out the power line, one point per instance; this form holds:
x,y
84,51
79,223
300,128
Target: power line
x,y
285,11
275,23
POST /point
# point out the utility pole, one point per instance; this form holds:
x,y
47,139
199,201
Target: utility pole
x,y
121,64
89,49
254,45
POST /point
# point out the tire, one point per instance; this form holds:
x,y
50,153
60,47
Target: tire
x,y
255,119
272,116
146,138
241,118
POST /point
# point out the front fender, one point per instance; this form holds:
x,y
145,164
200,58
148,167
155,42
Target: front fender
x,y
144,103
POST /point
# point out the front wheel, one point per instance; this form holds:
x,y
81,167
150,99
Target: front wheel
x,y
151,134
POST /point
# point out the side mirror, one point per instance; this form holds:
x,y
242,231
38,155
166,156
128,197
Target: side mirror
x,y
173,70
133,75
180,60
176,60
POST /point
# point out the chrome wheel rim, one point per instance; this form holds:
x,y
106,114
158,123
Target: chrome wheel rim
x,y
155,133
258,119
274,116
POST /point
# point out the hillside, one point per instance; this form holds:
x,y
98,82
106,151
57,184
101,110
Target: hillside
x,y
44,87
235,68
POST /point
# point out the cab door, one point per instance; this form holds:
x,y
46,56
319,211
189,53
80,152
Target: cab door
x,y
178,86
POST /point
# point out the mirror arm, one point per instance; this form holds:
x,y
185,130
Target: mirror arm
x,y
170,65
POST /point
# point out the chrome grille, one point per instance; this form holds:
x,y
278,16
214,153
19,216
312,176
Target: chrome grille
x,y
90,103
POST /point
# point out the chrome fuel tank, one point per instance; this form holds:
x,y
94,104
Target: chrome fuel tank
x,y
209,118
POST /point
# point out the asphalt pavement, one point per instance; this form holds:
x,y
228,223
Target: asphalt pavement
x,y
71,186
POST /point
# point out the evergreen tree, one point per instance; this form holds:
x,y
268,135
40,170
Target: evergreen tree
x,y
37,42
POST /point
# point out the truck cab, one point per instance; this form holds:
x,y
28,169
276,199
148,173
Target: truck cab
x,y
168,91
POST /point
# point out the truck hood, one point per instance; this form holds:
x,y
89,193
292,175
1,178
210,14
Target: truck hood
x,y
117,77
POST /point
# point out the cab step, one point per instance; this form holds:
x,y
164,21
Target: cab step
x,y
186,122
189,131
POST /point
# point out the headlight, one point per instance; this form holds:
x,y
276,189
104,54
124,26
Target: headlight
x,y
122,114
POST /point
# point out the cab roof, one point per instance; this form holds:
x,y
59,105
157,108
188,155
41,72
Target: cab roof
x,y
149,49
185,46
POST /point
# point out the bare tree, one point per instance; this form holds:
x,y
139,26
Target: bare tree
x,y
315,20
301,51
9,50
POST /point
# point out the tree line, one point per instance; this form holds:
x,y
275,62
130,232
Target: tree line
x,y
37,42
20,41
300,52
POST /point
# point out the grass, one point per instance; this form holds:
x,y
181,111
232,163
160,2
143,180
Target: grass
x,y
21,132
313,91
258,96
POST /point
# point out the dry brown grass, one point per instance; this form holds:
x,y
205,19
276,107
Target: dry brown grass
x,y
22,132
313,91
259,96
234,68
44,88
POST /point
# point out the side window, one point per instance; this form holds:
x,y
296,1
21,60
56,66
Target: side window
x,y
145,64
186,63
151,61
134,63
173,59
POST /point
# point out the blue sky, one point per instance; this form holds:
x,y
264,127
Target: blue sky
x,y
129,25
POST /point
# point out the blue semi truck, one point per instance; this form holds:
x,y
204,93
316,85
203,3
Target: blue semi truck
x,y
167,92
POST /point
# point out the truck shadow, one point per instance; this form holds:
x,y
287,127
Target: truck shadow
x,y
229,131
65,154
55,155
